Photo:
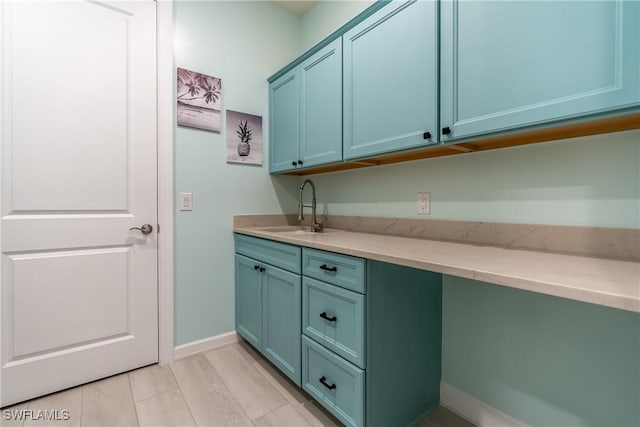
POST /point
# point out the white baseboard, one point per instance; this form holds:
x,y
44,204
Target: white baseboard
x,y
199,346
474,410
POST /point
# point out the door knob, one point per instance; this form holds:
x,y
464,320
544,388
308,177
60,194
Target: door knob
x,y
145,229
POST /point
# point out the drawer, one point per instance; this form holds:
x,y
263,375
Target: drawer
x,y
334,317
341,270
277,254
335,383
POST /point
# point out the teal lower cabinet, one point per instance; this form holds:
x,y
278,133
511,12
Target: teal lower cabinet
x,y
404,344
268,301
371,357
362,337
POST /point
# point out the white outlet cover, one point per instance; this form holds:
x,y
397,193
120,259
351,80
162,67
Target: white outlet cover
x,y
424,203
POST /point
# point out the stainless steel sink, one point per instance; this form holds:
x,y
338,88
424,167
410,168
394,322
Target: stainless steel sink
x,y
289,229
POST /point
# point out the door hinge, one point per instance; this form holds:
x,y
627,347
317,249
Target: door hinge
x,y
158,228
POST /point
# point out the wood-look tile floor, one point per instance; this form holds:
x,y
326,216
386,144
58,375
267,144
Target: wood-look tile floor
x,y
228,386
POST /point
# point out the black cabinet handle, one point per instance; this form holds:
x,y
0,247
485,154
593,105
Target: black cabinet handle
x,y
323,380
426,135
299,162
446,130
262,269
293,163
325,268
330,319
256,267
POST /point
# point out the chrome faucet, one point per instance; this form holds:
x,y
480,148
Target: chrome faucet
x,y
316,226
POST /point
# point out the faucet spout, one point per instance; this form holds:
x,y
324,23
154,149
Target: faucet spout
x,y
315,225
300,205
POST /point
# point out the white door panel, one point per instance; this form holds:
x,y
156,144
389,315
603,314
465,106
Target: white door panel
x,y
104,302
78,128
58,129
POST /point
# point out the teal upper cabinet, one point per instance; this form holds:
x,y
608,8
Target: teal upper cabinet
x,y
506,65
321,106
390,80
408,74
284,122
305,107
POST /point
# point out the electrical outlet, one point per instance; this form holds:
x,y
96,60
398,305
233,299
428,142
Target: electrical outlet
x,y
186,201
424,203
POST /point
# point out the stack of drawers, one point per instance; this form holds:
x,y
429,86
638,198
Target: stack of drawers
x,y
333,327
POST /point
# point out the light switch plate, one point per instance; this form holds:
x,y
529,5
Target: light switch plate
x,y
186,201
424,203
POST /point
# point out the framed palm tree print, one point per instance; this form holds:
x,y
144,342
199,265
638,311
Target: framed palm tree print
x,y
199,100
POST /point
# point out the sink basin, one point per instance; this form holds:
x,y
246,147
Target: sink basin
x,y
289,229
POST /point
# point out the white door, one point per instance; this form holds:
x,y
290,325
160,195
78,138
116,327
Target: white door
x,y
78,127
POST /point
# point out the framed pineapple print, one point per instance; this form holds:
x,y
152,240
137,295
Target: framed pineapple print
x,y
244,138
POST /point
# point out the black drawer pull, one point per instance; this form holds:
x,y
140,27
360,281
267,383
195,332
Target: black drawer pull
x,y
446,130
262,269
330,319
293,163
426,135
256,267
323,380
325,268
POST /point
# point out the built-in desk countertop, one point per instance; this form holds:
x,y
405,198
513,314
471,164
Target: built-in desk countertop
x,y
607,282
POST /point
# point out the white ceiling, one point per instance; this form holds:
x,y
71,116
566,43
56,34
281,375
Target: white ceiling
x,y
297,7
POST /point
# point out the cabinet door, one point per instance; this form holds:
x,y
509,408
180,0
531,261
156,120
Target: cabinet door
x,y
284,122
249,300
321,106
506,65
281,320
390,86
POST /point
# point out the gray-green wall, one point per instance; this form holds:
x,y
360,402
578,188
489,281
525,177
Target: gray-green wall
x,y
243,43
326,17
543,360
590,181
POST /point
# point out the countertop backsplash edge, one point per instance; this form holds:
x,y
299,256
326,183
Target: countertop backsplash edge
x,y
599,242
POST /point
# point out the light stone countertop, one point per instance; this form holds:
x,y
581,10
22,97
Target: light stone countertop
x,y
606,282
